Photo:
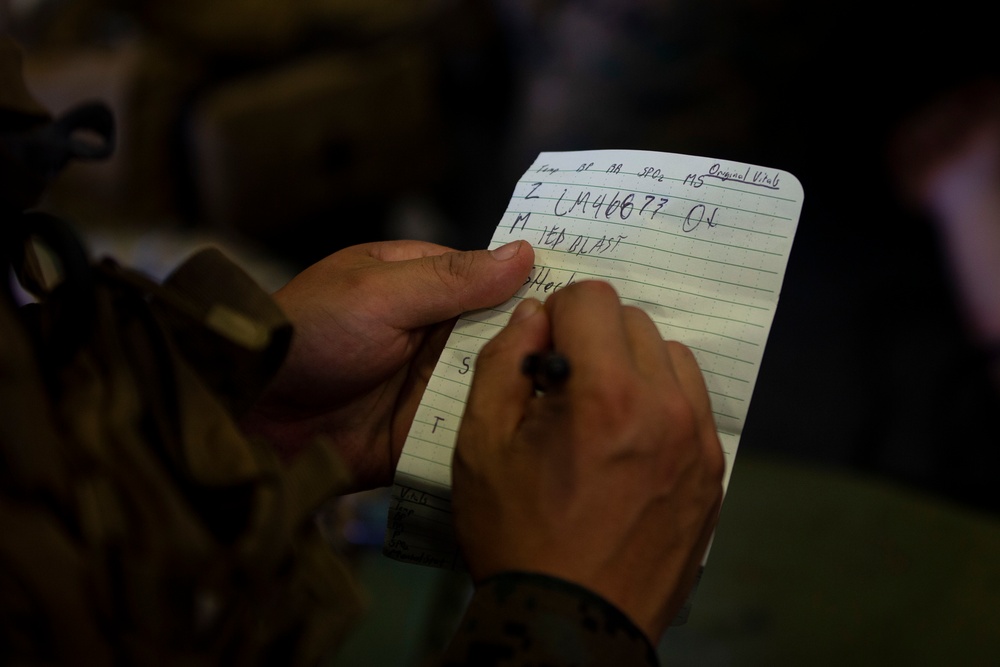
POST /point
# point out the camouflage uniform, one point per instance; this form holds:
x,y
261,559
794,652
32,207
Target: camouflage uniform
x,y
519,619
139,525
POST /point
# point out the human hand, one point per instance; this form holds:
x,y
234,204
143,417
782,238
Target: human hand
x,y
370,322
612,481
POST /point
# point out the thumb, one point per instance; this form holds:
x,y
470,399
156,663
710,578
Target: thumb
x,y
500,390
441,286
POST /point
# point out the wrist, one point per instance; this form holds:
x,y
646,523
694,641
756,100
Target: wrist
x,y
549,619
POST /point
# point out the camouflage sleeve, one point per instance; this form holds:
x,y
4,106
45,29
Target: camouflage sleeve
x,y
519,619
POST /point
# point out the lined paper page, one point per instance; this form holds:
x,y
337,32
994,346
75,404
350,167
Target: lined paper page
x,y
700,244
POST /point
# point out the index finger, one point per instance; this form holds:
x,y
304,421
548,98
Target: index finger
x,y
588,327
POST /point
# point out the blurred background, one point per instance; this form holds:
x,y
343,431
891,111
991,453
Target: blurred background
x,y
861,522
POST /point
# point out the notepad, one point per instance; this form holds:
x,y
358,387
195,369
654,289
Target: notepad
x,y
700,244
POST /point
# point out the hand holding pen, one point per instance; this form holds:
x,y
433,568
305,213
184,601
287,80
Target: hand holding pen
x,y
611,476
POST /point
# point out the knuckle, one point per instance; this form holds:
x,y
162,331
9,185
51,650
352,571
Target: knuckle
x,y
681,354
614,401
453,268
494,349
679,415
715,461
585,291
635,314
596,288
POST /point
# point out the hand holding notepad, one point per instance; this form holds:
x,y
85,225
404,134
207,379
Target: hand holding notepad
x,y
701,245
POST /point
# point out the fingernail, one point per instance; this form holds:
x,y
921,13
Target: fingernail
x,y
524,310
506,251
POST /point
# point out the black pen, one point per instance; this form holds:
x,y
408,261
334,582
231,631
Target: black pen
x,y
547,370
